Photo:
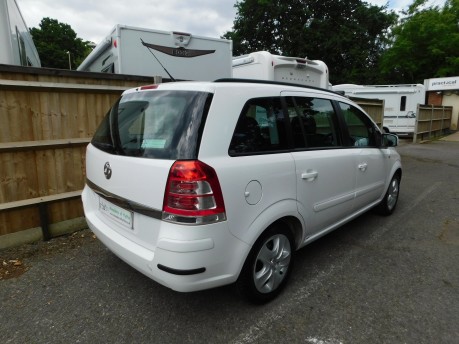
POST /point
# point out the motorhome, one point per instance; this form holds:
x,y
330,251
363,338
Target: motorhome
x,y
17,47
400,103
266,66
171,55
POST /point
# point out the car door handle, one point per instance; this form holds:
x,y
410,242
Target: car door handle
x,y
309,175
363,166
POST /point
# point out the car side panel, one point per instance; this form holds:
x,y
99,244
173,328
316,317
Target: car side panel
x,y
371,170
255,185
325,186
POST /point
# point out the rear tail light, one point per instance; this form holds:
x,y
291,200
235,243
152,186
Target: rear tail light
x,y
193,194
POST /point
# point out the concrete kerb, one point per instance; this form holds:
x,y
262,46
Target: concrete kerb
x,y
453,137
32,235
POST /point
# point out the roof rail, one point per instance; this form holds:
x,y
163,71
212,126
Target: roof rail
x,y
269,82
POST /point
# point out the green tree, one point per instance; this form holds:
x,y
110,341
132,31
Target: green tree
x,y
425,44
56,41
349,36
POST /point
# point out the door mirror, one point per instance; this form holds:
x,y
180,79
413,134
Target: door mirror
x,y
390,140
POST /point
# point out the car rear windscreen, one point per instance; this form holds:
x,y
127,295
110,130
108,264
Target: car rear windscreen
x,y
155,124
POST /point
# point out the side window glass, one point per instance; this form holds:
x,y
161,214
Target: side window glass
x,y
260,128
362,132
313,122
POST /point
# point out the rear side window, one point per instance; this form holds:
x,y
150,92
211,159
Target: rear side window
x,y
313,122
260,128
155,124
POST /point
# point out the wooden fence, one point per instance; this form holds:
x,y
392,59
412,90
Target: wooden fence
x,y
47,118
432,121
373,107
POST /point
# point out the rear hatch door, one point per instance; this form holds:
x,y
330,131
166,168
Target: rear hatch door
x,y
129,158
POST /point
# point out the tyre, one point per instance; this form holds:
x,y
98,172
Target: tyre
x,y
389,202
268,266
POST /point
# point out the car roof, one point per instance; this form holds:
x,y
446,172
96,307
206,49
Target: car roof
x,y
211,86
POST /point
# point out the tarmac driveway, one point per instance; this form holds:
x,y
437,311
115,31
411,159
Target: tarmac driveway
x,y
375,280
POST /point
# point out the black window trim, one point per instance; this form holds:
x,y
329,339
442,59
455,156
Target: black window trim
x,y
340,126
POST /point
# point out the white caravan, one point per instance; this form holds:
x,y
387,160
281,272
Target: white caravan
x,y
16,44
266,66
400,103
171,55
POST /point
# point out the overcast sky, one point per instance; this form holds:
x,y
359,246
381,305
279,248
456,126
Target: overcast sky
x,y
93,20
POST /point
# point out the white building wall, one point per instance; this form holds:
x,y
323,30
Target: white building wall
x,y
449,87
452,99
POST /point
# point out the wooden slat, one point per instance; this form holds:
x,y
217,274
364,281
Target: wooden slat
x,y
44,144
58,87
38,200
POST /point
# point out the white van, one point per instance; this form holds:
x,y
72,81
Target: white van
x,y
17,47
400,103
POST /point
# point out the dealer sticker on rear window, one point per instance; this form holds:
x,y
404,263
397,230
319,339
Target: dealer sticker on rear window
x,y
123,216
153,143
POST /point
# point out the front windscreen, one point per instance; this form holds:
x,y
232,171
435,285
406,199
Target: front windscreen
x,y
155,124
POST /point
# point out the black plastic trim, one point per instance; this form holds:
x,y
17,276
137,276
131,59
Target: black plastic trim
x,y
181,272
269,82
124,203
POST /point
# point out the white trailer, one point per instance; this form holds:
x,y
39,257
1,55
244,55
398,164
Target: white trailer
x,y
16,44
266,66
400,103
139,51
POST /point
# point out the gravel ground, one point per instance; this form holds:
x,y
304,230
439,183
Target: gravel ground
x,y
16,261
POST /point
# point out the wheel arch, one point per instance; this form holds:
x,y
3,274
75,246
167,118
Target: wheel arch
x,y
398,171
291,224
283,214
247,284
395,170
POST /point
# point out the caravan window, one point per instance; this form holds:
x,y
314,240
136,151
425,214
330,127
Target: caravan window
x,y
22,49
403,103
109,69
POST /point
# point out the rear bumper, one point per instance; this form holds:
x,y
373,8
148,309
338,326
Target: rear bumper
x,y
183,258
